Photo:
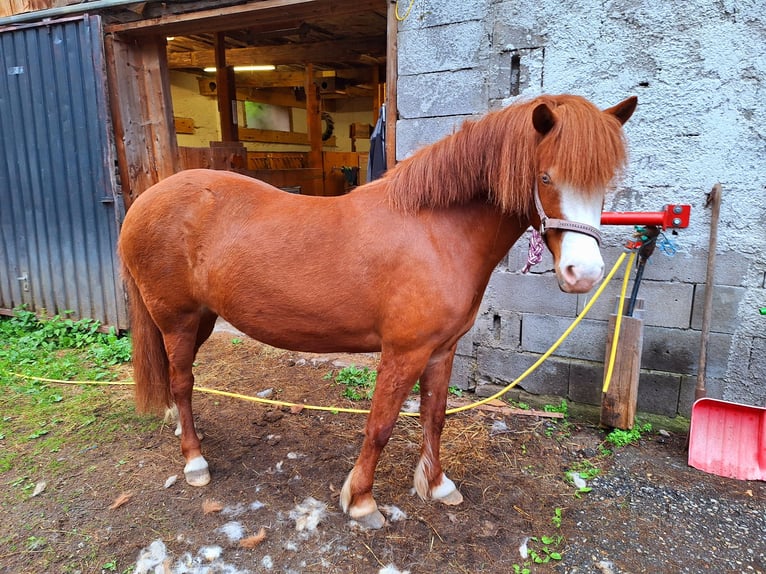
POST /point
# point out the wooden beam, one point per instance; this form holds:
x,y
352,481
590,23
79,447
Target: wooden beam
x,y
392,78
275,97
313,123
276,136
224,78
352,50
278,13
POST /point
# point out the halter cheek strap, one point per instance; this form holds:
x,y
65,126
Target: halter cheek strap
x,y
547,223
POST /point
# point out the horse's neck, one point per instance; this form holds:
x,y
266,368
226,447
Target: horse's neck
x,y
489,232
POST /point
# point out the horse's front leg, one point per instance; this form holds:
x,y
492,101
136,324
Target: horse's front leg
x,y
430,480
396,377
180,348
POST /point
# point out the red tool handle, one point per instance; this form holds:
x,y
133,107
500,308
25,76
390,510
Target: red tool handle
x,y
671,217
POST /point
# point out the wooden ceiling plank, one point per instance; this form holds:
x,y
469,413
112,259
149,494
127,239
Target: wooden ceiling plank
x,y
246,16
341,51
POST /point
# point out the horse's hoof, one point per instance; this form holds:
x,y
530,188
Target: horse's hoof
x,y
196,472
452,499
447,493
373,521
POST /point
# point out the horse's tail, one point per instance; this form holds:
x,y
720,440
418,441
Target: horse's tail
x,y
150,360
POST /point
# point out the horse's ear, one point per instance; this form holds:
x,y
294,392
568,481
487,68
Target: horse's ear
x,y
624,109
543,119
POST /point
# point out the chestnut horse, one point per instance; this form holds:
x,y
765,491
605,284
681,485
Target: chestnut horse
x,y
399,265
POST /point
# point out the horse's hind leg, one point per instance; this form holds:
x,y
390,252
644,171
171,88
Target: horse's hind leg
x,y
181,346
430,481
396,377
205,329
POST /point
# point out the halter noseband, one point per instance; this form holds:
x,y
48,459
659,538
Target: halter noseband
x,y
547,223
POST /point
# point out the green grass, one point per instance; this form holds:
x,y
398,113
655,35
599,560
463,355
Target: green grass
x,y
358,383
40,418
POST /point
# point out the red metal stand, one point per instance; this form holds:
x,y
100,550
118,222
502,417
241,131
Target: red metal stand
x,y
671,217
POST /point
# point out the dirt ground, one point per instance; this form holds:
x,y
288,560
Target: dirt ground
x,y
277,474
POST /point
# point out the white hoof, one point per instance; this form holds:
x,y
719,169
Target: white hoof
x,y
447,493
197,472
367,514
373,521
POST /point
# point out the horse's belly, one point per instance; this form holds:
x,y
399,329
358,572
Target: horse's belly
x,y
307,331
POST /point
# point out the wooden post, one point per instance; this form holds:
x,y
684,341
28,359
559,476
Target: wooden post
x,y
618,404
392,78
224,78
314,127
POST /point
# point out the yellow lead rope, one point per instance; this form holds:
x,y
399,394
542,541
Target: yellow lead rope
x,y
473,405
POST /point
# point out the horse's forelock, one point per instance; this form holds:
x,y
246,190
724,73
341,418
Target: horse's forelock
x,y
586,146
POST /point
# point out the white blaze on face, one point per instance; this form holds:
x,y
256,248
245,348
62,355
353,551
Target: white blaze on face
x,y
580,266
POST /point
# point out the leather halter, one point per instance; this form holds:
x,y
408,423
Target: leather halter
x,y
547,223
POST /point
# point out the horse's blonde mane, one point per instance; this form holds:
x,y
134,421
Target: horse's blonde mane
x,y
496,157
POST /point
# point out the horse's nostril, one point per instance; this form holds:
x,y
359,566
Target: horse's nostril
x,y
570,274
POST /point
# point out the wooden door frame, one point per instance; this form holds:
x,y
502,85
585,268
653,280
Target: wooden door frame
x,y
139,84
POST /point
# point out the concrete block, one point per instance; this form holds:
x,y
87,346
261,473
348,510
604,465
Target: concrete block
x,y
502,367
677,351
513,71
451,93
658,393
414,134
529,294
465,345
463,373
731,267
550,378
726,302
428,13
665,304
508,36
587,341
757,367
586,382
517,258
442,48
498,329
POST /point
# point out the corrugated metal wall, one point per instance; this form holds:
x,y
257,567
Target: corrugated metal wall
x,y
59,209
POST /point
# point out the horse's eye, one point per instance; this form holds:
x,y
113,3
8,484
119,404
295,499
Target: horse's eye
x,y
545,178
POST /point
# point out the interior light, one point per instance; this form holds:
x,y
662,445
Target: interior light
x,y
259,68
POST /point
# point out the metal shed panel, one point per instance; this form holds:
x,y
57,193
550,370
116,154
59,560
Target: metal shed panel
x,y
59,210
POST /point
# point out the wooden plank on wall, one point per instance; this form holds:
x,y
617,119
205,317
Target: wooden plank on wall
x,y
184,125
276,136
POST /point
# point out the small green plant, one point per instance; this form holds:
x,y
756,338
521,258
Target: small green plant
x,y
620,438
456,391
545,549
542,549
110,566
562,408
556,518
358,383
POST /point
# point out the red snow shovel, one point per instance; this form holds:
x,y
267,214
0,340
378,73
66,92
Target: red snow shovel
x,y
728,439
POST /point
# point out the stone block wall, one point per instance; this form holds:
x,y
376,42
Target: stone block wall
x,y
699,71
